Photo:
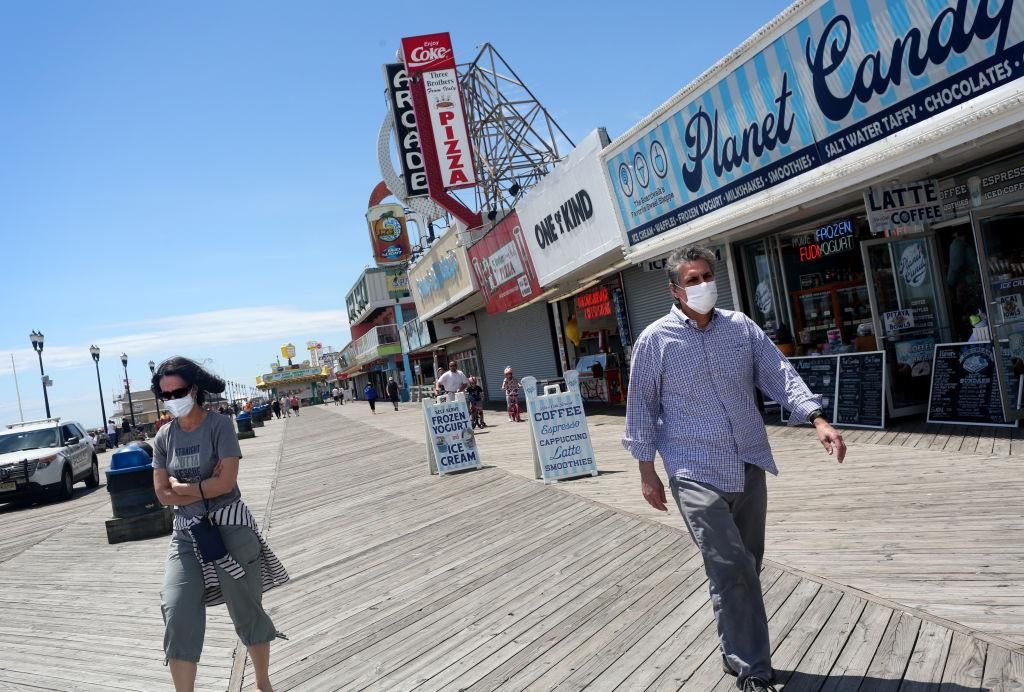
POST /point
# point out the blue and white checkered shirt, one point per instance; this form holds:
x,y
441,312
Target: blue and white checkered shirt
x,y
691,397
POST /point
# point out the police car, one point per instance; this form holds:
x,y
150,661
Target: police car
x,y
45,458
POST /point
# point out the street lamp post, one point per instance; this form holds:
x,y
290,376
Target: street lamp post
x,y
95,351
152,370
37,344
128,387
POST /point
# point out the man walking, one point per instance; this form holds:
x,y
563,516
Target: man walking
x,y
691,399
112,433
295,404
392,392
452,381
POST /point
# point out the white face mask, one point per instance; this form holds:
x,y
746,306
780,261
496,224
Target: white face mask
x,y
180,407
702,297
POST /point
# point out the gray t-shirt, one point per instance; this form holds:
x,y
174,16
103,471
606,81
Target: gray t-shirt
x,y
191,457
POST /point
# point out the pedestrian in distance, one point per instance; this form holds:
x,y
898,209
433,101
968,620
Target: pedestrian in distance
x,y
452,380
295,404
275,406
691,400
112,433
336,395
286,407
126,430
392,392
216,553
370,393
511,386
475,397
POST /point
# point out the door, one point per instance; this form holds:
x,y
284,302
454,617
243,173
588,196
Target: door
x,y
909,313
998,234
77,451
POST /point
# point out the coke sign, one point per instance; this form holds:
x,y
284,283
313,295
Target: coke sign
x,y
428,52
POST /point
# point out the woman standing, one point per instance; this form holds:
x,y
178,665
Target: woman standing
x,y
216,553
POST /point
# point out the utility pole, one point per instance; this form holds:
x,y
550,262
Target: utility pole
x,y
17,389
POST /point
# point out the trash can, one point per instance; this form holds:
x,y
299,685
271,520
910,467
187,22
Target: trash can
x,y
130,483
255,419
137,512
244,422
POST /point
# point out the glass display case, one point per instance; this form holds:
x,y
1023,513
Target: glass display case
x,y
829,318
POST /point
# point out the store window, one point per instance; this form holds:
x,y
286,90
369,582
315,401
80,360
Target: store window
x,y
823,272
765,295
596,334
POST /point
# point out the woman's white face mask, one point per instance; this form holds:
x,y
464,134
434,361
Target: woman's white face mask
x,y
180,407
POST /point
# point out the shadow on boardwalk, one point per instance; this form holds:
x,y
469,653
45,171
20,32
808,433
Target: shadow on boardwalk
x,y
486,581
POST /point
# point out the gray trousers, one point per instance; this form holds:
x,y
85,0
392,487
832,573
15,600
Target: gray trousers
x,y
182,603
728,528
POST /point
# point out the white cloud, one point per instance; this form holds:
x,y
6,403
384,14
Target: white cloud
x,y
185,333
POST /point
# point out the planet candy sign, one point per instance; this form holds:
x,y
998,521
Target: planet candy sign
x,y
450,435
851,73
558,429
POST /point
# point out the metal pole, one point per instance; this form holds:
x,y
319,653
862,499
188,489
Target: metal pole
x,y
17,389
103,407
42,379
128,388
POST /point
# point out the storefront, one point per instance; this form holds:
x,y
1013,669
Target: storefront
x,y
596,339
576,247
302,380
865,211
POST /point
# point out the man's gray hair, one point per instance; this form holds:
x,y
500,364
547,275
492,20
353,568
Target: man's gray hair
x,y
685,255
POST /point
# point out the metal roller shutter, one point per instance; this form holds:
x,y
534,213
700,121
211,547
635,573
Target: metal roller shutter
x,y
521,339
648,299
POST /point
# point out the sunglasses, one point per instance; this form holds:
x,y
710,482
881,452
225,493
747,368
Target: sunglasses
x,y
179,393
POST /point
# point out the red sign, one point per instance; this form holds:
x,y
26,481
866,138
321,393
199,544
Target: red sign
x,y
440,116
503,267
595,304
428,52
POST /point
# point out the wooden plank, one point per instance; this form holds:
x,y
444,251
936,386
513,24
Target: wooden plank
x,y
893,654
965,664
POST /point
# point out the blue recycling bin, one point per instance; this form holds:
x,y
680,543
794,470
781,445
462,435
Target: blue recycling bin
x,y
130,483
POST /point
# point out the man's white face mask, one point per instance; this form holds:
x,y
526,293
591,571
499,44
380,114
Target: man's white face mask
x,y
702,297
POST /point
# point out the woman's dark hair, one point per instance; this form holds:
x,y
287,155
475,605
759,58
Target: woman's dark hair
x,y
194,375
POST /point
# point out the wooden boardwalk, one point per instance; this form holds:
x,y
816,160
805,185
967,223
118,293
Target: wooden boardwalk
x,y
480,581
940,532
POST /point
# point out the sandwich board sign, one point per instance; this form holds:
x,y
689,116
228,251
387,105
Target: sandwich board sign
x,y
558,430
450,440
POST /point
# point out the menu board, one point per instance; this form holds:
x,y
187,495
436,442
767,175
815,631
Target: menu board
x,y
860,390
851,386
819,373
965,386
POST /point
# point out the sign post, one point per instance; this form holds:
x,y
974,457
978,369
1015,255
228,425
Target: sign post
x,y
558,430
451,444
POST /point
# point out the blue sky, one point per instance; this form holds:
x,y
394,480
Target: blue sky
x,y
192,177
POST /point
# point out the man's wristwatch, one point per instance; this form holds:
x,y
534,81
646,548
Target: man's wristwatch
x,y
817,413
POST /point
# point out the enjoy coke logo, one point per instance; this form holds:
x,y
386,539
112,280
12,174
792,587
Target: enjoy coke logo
x,y
422,55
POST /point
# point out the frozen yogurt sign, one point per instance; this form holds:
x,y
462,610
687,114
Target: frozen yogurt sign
x,y
450,435
849,74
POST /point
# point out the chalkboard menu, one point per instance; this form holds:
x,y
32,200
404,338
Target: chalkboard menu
x,y
965,386
851,386
860,394
819,373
